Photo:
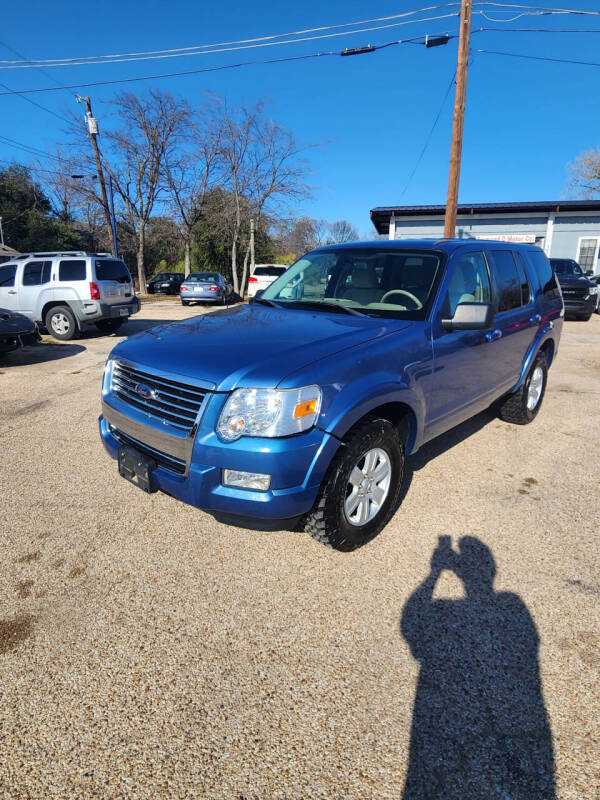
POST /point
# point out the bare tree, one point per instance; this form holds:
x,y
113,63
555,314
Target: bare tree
x,y
342,231
148,133
584,173
192,169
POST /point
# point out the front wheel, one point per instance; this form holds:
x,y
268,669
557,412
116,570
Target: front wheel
x,y
360,491
522,406
109,325
60,323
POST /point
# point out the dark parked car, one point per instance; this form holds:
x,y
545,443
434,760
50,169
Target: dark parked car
x,y
165,283
205,287
580,294
16,330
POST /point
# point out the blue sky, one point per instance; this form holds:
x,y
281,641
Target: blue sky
x,y
369,115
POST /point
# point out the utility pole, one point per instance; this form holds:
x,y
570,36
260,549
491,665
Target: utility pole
x,y
92,124
251,246
458,119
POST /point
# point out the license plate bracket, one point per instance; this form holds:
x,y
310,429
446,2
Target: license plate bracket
x,y
137,468
124,312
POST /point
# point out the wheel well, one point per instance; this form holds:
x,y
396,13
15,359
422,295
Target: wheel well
x,y
52,304
548,349
400,415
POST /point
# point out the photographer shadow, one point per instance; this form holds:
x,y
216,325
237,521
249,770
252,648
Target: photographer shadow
x,y
479,730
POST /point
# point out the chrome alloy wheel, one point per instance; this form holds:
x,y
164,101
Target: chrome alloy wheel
x,y
60,323
534,392
368,486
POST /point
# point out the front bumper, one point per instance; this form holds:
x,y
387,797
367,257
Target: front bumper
x,y
297,465
583,306
12,341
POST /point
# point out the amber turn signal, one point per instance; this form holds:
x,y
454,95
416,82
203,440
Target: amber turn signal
x,y
306,408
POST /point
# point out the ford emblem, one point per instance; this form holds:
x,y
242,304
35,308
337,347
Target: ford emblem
x,y
145,392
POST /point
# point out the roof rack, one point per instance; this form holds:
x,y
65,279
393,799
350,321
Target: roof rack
x,y
49,253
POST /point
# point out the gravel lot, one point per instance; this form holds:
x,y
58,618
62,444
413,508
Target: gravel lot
x,y
148,651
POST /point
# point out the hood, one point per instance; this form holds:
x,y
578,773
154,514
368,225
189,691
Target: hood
x,y
250,345
11,322
571,280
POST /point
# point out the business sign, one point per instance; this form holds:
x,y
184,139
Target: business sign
x,y
517,238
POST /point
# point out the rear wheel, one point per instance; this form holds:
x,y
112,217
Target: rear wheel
x,y
522,406
361,488
60,323
185,302
109,325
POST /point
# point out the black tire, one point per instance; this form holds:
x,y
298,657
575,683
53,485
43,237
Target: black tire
x,y
60,323
185,302
328,522
515,407
109,325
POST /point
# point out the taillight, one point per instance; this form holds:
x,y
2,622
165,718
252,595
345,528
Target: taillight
x,y
213,288
94,291
252,280
183,289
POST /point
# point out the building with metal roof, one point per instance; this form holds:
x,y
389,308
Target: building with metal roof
x,y
562,228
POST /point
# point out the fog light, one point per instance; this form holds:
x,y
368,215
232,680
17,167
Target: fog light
x,y
246,480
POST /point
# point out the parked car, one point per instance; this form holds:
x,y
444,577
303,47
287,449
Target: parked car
x,y
203,287
16,331
68,292
596,280
305,403
263,276
580,294
165,283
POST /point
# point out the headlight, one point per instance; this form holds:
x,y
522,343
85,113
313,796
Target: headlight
x,y
106,377
269,412
594,290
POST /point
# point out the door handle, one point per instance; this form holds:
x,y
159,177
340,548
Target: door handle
x,y
491,336
536,319
12,291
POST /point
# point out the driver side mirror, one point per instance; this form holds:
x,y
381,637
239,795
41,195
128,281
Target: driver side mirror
x,y
588,272
256,296
470,317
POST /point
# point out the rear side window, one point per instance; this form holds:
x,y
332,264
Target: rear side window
x,y
113,270
507,279
525,288
272,272
7,276
36,272
545,273
71,270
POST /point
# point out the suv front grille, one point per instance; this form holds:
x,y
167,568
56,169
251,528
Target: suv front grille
x,y
164,459
169,401
575,293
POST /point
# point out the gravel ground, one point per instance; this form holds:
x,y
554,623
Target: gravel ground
x,y
148,651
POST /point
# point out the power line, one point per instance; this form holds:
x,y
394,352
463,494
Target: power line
x,y
257,62
540,9
253,41
230,49
33,103
541,58
29,149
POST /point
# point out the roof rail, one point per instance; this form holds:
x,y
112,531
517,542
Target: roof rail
x,y
51,253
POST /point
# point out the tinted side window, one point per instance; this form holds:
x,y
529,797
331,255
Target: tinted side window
x,y
470,282
525,288
113,270
36,273
71,271
7,276
507,279
544,272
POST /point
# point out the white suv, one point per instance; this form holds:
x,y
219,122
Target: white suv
x,y
69,291
263,276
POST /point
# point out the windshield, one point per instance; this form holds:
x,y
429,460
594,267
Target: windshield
x,y
371,280
112,271
564,266
202,277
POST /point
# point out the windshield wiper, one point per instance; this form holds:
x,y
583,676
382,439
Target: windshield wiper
x,y
266,302
316,304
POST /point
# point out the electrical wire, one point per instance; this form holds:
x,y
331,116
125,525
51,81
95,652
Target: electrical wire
x,y
237,47
210,47
540,58
282,60
29,149
539,9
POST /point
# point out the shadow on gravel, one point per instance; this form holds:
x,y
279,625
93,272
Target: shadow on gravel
x,y
480,728
39,353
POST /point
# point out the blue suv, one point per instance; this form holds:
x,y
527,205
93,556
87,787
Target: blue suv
x,y
304,404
